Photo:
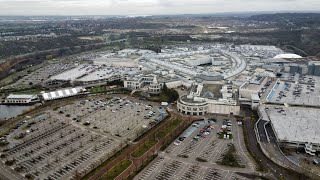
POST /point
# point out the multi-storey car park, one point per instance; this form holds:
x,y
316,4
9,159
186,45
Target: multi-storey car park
x,y
294,127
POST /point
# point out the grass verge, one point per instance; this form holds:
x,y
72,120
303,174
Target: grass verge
x,y
97,89
116,170
170,127
101,166
29,91
144,148
141,167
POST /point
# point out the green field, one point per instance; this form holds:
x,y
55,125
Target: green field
x,y
144,148
116,170
97,89
30,91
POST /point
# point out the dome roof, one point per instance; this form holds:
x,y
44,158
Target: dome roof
x,y
287,56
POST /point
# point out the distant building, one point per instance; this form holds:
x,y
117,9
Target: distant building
x,y
138,82
314,68
295,69
287,56
86,75
249,92
21,99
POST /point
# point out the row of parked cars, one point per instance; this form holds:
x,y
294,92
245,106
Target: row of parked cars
x,y
225,129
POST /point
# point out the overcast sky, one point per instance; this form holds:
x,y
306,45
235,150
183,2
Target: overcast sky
x,y
149,7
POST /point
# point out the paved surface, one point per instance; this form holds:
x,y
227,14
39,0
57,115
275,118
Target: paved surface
x,y
8,174
270,146
291,93
57,143
138,161
181,161
276,171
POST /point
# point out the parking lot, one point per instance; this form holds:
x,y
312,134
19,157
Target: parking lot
x,y
122,117
48,147
42,74
296,94
196,154
67,140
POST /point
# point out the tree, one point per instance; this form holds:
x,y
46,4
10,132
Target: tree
x,y
164,88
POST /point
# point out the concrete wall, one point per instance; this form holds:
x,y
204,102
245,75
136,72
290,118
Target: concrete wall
x,y
223,109
175,84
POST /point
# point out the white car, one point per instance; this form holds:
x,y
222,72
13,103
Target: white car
x,y
177,143
195,125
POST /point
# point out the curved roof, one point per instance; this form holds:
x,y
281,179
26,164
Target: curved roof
x,y
287,56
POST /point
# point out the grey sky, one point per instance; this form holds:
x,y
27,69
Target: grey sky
x,y
149,7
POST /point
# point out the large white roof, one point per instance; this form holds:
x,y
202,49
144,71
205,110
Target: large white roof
x,y
21,96
61,93
298,124
287,56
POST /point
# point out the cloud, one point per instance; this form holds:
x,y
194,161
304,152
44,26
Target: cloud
x,y
132,7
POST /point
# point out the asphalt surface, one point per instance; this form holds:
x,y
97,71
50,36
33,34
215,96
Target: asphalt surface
x,y
7,173
262,134
277,171
194,149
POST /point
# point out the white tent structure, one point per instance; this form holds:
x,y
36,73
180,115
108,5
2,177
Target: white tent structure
x,y
61,93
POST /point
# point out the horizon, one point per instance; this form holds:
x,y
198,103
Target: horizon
x,y
149,7
234,13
